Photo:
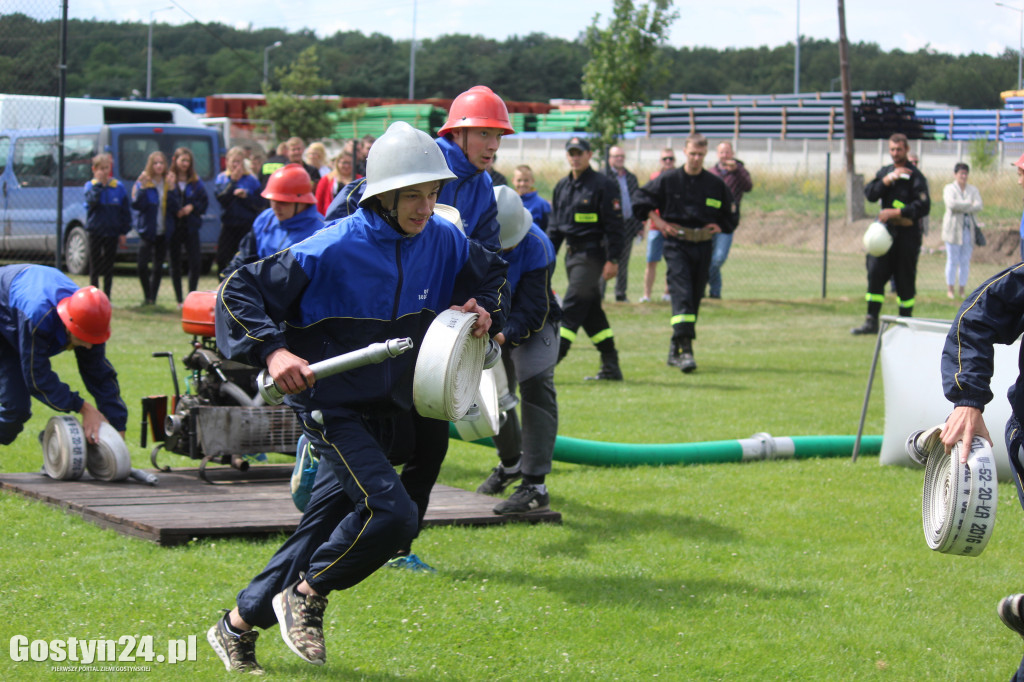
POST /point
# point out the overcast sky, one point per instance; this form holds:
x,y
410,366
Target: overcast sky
x,y
954,26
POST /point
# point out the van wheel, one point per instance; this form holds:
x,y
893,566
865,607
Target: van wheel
x,y
76,252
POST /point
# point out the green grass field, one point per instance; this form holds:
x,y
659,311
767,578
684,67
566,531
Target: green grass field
x,y
795,570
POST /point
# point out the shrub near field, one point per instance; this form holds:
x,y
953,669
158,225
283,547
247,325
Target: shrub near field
x,y
800,570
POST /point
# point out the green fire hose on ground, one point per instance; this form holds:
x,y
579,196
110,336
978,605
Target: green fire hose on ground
x,y
759,446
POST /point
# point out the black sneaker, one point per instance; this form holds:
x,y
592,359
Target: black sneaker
x,y
687,363
1009,613
498,481
237,651
527,498
301,618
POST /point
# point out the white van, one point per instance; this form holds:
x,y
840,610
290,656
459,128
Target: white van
x,y
32,112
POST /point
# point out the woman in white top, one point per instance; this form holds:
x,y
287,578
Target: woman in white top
x,y
962,201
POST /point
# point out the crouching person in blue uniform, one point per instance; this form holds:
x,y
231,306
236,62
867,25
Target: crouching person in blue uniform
x,y
530,351
385,272
43,313
292,217
993,314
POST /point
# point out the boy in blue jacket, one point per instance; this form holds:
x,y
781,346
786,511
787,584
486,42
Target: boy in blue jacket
x,y
43,313
385,272
108,219
469,139
530,351
292,217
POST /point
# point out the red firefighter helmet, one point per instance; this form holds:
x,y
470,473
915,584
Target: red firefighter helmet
x,y
86,314
477,107
290,183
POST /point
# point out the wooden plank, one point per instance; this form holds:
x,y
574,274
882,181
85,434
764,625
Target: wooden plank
x,y
252,504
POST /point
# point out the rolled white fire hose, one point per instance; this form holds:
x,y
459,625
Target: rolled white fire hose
x,y
66,454
449,366
958,510
488,421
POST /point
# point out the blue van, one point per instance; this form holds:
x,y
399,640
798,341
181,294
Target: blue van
x,y
28,185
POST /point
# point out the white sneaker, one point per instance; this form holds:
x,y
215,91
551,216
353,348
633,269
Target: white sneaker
x,y
666,297
645,299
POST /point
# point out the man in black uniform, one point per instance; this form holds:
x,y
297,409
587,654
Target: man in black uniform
x,y
692,205
586,213
903,192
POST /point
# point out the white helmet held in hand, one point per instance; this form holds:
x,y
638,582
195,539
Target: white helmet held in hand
x,y
513,218
402,157
877,240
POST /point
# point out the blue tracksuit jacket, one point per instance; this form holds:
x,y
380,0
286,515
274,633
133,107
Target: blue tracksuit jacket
x,y
107,208
538,207
530,266
356,282
473,194
269,235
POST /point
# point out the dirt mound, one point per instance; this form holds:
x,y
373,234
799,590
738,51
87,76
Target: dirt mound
x,y
784,228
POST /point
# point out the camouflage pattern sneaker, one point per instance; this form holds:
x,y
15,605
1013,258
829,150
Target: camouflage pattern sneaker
x,y
301,618
237,651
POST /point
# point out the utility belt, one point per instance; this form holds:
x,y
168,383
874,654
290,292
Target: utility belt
x,y
900,222
579,245
691,234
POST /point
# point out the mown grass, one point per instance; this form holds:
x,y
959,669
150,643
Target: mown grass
x,y
784,570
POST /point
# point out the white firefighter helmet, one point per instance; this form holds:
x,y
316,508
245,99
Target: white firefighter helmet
x,y
401,157
513,218
877,240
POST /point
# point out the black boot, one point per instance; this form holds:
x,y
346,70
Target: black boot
x,y
609,368
687,364
675,355
870,326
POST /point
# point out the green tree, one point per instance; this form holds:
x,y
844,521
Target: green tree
x,y
295,109
621,56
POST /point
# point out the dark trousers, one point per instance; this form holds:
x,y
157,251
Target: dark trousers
x,y
687,265
531,366
227,243
359,514
581,305
151,254
622,278
190,240
421,444
900,263
15,400
102,251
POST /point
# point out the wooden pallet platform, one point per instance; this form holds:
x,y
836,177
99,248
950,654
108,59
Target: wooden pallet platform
x,y
254,503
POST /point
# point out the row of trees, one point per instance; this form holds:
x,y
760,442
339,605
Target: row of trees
x,y
107,59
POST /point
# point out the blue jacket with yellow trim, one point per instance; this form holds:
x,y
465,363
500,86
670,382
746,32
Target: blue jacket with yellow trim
x,y
29,322
269,235
993,314
356,282
472,192
530,266
107,208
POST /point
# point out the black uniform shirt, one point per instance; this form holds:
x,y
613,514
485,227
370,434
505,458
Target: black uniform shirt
x,y
587,210
687,200
910,195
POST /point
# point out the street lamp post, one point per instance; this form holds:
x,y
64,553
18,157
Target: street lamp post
x,y
149,52
266,62
1020,44
796,62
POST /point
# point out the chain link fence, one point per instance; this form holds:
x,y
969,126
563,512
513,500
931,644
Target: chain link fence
x,y
46,163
